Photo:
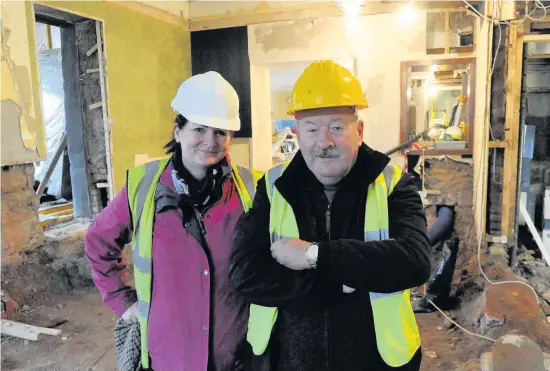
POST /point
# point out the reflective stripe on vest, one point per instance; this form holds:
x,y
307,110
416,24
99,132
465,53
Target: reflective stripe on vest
x,y
397,334
142,183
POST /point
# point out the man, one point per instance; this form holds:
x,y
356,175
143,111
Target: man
x,y
332,244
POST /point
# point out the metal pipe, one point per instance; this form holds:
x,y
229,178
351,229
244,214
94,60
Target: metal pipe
x,y
406,144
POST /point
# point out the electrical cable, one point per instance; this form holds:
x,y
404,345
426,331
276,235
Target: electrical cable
x,y
475,207
539,5
478,179
457,325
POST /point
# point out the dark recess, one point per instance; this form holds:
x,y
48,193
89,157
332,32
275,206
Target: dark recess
x,y
226,51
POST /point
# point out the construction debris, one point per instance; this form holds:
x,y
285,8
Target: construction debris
x,y
25,331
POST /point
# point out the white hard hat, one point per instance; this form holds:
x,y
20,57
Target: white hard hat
x,y
208,99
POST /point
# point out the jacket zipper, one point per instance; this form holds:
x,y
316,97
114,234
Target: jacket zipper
x,y
327,317
327,220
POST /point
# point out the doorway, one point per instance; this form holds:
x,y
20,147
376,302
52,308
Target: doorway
x,y
75,180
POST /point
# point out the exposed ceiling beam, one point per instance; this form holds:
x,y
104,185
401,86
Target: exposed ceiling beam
x,y
153,12
307,11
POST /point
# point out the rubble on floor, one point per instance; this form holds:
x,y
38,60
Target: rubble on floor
x,y
532,266
55,268
515,353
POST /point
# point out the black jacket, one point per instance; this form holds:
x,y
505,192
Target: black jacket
x,y
318,326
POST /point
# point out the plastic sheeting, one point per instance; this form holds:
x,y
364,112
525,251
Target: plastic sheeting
x,y
51,79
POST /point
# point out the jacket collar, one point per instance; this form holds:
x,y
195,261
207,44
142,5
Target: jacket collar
x,y
367,168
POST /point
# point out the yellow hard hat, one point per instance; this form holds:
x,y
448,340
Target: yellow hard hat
x,y
454,132
326,84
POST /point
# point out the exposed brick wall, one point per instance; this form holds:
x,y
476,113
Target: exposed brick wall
x,y
20,226
497,121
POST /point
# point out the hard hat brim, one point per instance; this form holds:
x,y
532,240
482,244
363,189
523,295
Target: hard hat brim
x,y
214,122
364,105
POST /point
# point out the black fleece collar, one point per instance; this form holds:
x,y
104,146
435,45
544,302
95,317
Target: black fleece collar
x,y
367,167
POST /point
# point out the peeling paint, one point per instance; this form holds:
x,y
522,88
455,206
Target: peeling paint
x,y
9,87
296,34
12,123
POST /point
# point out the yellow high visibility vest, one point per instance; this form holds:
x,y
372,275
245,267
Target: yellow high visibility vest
x,y
142,184
397,335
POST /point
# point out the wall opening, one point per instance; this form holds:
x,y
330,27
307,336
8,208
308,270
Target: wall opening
x,y
76,176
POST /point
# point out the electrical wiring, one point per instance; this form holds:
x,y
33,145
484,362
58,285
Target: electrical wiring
x,y
484,153
457,325
538,3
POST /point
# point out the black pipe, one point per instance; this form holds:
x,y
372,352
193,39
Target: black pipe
x,y
443,226
405,144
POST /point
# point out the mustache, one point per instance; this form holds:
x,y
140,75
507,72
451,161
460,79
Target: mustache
x,y
327,153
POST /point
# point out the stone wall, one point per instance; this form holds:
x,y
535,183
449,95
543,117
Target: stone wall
x,y
497,122
21,229
94,133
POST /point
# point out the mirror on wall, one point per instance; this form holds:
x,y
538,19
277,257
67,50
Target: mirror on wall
x,y
437,98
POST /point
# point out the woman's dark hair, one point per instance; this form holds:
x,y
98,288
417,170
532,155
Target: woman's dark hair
x,y
172,145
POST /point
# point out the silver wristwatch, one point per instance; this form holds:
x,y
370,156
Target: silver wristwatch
x,y
312,253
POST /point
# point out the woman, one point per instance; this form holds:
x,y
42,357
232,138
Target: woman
x,y
180,213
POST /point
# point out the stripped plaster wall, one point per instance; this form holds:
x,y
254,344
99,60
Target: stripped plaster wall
x,y
379,44
22,129
217,9
147,59
377,58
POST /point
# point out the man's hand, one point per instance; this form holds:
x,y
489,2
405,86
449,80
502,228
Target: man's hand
x,y
291,252
131,314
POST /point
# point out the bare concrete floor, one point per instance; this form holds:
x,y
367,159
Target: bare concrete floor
x,y
87,341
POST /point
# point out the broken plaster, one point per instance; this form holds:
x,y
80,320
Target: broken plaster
x,y
13,150
296,34
19,89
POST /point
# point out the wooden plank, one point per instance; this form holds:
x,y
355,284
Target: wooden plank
x,y
55,208
48,220
92,50
59,213
512,130
104,107
153,12
447,32
95,105
48,36
308,11
24,331
539,56
536,38
57,155
497,144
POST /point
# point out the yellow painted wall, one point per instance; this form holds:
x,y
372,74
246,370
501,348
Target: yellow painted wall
x,y
23,139
147,59
279,105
